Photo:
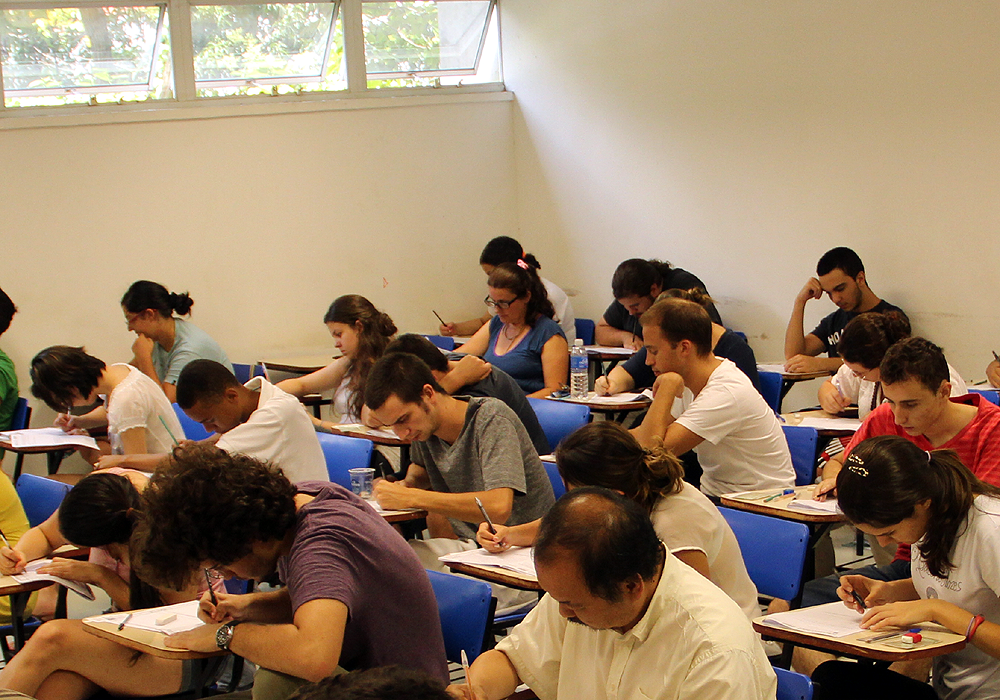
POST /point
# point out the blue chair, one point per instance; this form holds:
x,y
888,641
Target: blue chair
x,y
20,420
770,389
774,551
802,444
192,429
991,395
793,686
558,487
558,418
343,453
585,329
445,342
466,607
40,496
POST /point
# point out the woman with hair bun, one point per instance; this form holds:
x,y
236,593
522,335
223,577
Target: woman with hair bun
x,y
605,454
361,332
165,343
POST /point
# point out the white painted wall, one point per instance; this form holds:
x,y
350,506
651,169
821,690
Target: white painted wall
x,y
741,140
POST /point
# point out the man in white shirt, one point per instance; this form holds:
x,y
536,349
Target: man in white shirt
x,y
722,417
621,618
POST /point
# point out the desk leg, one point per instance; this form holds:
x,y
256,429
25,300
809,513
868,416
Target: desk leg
x,y
316,412
18,465
18,602
786,386
204,669
54,459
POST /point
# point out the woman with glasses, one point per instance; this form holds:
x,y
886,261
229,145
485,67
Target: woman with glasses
x,y
62,660
522,339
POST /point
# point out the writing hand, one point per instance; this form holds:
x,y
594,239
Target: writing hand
x,y
833,401
12,561
634,343
993,373
825,489
229,607
493,543
67,422
602,385
872,592
446,329
393,495
904,614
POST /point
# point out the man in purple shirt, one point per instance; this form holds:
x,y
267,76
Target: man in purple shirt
x,y
354,594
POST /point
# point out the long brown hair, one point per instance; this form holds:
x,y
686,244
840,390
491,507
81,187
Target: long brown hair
x,y
519,281
377,329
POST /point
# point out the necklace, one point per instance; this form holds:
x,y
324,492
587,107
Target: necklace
x,y
517,331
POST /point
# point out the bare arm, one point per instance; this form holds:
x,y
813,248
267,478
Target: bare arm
x,y
697,560
615,382
606,334
40,541
830,398
469,370
796,341
478,344
464,328
829,482
555,366
321,380
462,506
659,424
507,537
493,677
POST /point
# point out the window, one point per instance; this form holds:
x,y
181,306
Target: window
x,y
95,52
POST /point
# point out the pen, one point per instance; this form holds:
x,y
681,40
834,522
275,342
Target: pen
x,y
122,625
995,356
211,591
465,668
5,542
486,517
858,600
168,430
439,317
786,492
880,637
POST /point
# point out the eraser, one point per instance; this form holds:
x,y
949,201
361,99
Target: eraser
x,y
911,638
166,619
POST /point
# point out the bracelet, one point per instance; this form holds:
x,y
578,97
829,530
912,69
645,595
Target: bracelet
x,y
973,626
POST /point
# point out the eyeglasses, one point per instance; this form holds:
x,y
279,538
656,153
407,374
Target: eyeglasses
x,y
504,305
862,375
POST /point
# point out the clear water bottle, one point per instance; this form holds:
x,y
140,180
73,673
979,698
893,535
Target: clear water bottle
x,y
578,379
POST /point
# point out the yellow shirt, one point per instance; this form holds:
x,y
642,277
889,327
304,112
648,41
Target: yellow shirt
x,y
13,524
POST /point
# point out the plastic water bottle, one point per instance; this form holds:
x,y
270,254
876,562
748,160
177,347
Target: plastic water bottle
x,y
578,379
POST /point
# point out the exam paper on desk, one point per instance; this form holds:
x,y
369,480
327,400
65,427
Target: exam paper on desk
x,y
808,505
518,559
186,618
31,574
830,619
46,437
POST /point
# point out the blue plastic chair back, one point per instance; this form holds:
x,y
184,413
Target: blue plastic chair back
x,y
343,453
242,372
585,329
793,686
774,551
446,343
802,444
193,430
991,395
40,497
558,487
770,389
22,415
559,418
464,605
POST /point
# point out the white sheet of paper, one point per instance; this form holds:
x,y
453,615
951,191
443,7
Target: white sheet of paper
x,y
609,350
808,505
365,430
830,423
778,367
187,618
614,399
46,437
31,574
517,559
831,619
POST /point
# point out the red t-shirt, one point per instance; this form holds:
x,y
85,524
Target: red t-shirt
x,y
977,444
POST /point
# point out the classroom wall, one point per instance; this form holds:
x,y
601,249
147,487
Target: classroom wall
x,y
265,219
741,140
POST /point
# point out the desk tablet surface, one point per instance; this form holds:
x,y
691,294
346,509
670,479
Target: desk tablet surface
x,y
496,574
145,641
753,502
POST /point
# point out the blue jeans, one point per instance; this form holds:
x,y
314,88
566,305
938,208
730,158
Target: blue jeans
x,y
824,590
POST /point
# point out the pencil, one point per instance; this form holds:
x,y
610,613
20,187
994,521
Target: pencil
x,y
122,625
5,542
168,430
445,324
486,516
858,600
211,591
465,668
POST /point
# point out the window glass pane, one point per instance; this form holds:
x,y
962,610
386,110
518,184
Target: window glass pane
x,y
424,37
79,54
240,49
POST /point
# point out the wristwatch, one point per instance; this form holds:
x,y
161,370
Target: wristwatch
x,y
224,635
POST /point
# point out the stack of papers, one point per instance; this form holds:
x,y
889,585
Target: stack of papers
x,y
808,505
517,559
614,399
609,350
365,430
46,437
831,620
830,423
185,618
31,575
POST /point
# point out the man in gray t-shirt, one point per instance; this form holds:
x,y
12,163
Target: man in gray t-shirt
x,y
462,449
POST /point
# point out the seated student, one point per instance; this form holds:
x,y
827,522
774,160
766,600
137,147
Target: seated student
x,y
635,373
360,332
139,418
8,377
468,375
463,449
894,490
61,660
735,434
504,249
165,343
636,284
841,275
646,626
605,454
354,594
13,525
522,339
256,419
383,683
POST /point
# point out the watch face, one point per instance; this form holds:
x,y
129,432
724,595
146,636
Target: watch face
x,y
224,636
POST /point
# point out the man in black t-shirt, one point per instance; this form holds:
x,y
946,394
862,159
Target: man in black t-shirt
x,y
635,285
841,275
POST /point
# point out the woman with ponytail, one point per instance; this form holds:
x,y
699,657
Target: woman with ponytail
x,y
361,332
893,490
522,339
165,343
61,660
504,249
605,454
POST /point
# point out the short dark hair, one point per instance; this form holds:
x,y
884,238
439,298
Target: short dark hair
x,y
144,295
203,379
680,319
380,683
504,249
7,311
59,370
520,281
868,336
840,258
421,347
611,537
209,505
101,509
635,277
915,358
400,374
